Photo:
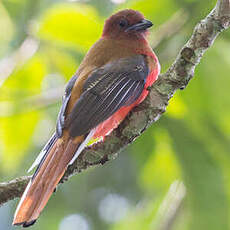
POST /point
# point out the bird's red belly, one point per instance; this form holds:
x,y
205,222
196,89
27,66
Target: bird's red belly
x,y
111,123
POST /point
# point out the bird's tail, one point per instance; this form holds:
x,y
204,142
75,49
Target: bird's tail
x,y
45,179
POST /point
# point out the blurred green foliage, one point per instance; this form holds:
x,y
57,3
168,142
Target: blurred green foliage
x,y
41,45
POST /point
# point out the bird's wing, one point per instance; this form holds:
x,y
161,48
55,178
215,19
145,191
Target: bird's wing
x,y
65,100
106,90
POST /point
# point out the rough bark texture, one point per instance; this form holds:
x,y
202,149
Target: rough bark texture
x,y
177,77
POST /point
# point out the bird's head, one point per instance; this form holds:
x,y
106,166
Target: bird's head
x,y
126,24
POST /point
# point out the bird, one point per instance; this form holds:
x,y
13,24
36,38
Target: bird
x,y
113,78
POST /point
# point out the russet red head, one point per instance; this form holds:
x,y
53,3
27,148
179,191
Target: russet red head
x,y
126,24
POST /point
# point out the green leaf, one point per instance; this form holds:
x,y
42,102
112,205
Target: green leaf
x,y
162,168
76,26
157,11
17,125
59,60
15,134
25,80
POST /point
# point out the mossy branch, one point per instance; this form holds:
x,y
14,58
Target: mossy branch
x,y
176,77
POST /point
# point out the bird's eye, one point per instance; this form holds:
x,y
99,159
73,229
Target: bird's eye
x,y
123,23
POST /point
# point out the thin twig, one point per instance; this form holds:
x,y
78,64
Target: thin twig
x,y
169,28
18,58
170,207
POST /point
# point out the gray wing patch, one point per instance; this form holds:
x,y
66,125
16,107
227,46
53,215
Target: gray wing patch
x,y
109,88
65,100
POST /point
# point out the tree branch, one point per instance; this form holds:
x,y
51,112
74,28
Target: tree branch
x,y
14,188
170,207
7,65
177,77
169,28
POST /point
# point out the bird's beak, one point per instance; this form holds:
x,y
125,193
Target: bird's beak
x,y
140,26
